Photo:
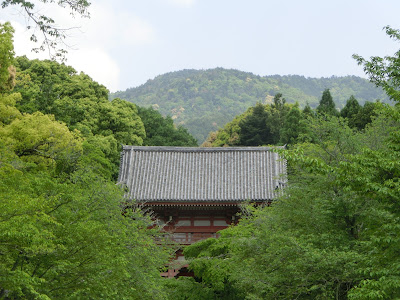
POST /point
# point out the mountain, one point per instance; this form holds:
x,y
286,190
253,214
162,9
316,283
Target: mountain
x,y
205,100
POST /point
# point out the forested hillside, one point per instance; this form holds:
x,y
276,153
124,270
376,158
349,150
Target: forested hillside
x,y
205,100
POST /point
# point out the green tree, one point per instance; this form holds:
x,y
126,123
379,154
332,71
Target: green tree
x,y
70,240
326,104
350,111
307,110
254,130
276,121
8,111
66,231
366,114
313,228
229,135
40,139
7,71
63,229
293,126
80,102
211,262
161,131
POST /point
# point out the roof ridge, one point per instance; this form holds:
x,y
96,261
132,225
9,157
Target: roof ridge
x,y
198,149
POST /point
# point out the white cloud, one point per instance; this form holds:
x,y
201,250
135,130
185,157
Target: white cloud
x,y
97,64
109,27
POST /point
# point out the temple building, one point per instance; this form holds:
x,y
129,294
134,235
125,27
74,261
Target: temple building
x,y
195,192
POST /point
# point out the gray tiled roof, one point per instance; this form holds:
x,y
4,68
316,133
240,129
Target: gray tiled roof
x,y
201,174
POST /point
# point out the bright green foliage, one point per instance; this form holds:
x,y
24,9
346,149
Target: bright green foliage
x,y
39,83
63,232
161,131
8,111
326,104
7,72
212,265
69,239
38,138
229,135
82,104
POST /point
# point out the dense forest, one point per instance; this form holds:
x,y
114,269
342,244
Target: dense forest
x,y
66,231
205,100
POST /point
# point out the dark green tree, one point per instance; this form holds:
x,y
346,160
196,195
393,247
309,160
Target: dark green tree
x,y
351,108
366,114
161,131
292,126
350,111
277,118
254,130
307,110
326,104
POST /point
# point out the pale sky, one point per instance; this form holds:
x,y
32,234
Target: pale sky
x,y
127,42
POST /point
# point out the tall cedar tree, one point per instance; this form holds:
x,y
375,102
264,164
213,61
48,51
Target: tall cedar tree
x,y
292,127
350,111
254,130
326,104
